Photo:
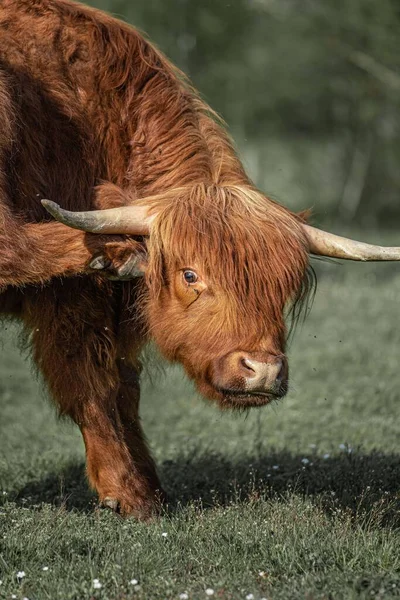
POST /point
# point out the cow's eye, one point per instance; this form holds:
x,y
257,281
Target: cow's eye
x,y
190,276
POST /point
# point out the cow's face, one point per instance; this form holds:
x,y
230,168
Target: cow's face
x,y
222,269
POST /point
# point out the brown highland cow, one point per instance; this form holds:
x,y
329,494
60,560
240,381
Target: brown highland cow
x,y
92,116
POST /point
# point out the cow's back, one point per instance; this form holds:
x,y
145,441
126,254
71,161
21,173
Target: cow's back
x,y
66,129
93,101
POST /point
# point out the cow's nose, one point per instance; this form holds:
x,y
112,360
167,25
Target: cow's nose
x,y
251,373
261,376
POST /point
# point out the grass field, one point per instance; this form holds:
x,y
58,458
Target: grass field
x,y
297,500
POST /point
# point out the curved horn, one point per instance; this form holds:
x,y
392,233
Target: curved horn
x,y
134,220
323,243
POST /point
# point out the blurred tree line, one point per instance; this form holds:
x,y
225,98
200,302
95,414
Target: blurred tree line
x,y
309,88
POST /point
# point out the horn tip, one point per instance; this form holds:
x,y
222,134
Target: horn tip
x,y
50,206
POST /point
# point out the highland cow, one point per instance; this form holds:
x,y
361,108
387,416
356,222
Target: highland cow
x,y
94,118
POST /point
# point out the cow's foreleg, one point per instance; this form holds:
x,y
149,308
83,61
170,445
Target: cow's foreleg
x,y
75,346
119,466
118,463
33,253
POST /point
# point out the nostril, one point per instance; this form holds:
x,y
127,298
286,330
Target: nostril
x,y
246,363
281,370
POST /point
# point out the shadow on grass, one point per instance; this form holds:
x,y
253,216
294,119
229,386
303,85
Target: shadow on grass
x,y
68,487
354,481
367,483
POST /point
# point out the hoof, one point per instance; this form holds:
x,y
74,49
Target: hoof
x,y
141,508
99,263
111,503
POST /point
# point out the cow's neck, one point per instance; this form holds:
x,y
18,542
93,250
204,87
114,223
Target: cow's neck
x,y
177,142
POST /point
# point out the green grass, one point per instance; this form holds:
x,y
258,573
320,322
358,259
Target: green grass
x,y
248,513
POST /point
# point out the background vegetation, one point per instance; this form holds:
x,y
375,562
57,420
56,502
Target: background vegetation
x,y
300,499
310,91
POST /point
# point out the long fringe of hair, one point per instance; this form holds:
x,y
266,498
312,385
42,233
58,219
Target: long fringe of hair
x,y
179,158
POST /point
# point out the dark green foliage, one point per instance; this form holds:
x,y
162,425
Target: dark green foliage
x,y
311,91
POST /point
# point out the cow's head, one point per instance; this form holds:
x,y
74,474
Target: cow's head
x,y
224,265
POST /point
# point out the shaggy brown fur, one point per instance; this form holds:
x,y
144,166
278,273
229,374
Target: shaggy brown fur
x,y
92,115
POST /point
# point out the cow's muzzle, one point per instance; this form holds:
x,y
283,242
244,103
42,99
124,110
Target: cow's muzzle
x,y
252,378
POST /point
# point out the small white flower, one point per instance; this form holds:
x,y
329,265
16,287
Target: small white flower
x,y
4,493
209,592
45,568
250,597
20,574
96,584
133,582
13,596
275,467
326,456
0,582
262,574
164,534
342,446
183,596
305,461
